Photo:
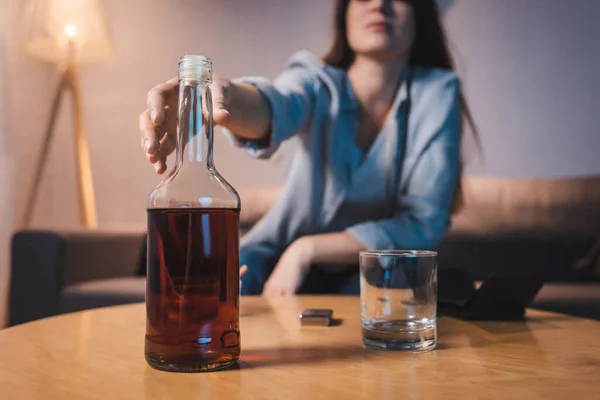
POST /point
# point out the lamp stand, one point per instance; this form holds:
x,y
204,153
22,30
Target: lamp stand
x,y
69,81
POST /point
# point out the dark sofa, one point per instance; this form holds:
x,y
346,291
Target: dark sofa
x,y
507,227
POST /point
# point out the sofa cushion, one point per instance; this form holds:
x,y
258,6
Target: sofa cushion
x,y
102,293
566,207
45,262
561,206
578,299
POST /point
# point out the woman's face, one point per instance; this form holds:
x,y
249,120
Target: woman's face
x,y
382,29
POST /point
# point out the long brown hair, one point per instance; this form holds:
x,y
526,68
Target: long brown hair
x,y
429,50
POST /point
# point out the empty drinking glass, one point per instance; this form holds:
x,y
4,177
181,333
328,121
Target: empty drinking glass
x,y
398,294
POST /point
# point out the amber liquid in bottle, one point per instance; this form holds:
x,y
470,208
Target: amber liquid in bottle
x,y
193,290
192,286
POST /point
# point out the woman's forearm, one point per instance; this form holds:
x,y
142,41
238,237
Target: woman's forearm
x,y
335,251
249,110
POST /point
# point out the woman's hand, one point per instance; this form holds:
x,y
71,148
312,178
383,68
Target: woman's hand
x,y
158,124
292,268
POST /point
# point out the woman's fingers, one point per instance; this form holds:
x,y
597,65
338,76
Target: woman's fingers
x,y
150,138
159,159
158,124
157,141
161,165
158,119
158,98
168,143
270,290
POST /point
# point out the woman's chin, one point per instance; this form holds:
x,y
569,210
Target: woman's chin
x,y
378,48
381,54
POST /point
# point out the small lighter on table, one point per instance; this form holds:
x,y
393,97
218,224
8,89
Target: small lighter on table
x,y
316,317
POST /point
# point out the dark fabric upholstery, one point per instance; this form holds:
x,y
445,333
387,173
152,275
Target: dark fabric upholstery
x,y
517,254
56,272
102,293
37,261
43,263
576,298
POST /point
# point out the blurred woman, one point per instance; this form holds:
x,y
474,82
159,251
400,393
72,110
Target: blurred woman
x,y
375,129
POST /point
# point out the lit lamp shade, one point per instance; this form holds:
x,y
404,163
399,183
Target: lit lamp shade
x,y
52,25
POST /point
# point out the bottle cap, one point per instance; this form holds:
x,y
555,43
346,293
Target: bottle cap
x,y
195,68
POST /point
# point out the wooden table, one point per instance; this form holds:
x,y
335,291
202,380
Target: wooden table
x,y
99,354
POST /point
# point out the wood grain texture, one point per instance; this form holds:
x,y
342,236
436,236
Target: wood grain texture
x,y
99,354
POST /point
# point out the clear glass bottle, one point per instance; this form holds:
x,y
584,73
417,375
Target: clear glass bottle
x,y
192,293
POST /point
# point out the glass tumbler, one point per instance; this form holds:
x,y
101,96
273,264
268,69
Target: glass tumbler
x,y
398,297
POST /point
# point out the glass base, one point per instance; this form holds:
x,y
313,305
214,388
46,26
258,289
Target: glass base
x,y
188,363
399,335
427,345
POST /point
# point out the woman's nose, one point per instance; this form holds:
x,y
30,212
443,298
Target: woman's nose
x,y
382,6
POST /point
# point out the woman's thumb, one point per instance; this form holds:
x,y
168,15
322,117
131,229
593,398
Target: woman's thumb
x,y
221,115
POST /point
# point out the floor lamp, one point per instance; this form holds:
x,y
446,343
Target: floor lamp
x,y
67,33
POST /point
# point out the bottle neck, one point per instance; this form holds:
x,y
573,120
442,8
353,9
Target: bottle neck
x,y
195,126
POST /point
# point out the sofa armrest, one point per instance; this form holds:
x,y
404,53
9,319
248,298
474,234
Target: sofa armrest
x,y
44,262
549,256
